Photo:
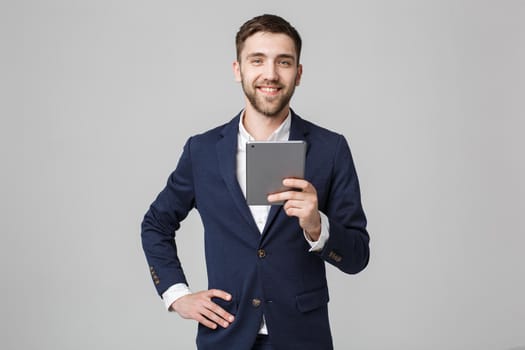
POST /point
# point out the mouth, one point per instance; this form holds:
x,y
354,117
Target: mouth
x,y
269,90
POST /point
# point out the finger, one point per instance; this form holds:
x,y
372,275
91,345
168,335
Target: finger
x,y
219,294
299,207
213,316
217,314
293,203
276,197
293,212
205,322
285,196
220,312
297,183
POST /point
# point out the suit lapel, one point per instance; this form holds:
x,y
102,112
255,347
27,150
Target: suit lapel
x,y
298,132
227,156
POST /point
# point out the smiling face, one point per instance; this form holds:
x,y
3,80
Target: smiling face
x,y
269,72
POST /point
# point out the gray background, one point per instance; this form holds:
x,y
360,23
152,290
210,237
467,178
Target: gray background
x,y
98,97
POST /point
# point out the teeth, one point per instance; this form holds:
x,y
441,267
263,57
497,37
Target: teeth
x,y
267,89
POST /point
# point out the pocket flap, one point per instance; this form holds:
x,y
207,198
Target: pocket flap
x,y
312,300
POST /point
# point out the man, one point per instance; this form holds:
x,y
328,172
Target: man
x,y
265,264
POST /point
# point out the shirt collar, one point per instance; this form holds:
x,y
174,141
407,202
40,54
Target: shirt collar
x,y
282,133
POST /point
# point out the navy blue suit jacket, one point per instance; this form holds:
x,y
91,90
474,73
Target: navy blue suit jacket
x,y
272,273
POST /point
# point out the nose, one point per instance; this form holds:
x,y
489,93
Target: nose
x,y
270,71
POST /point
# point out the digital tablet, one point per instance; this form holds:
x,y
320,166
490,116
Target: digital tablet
x,y
268,163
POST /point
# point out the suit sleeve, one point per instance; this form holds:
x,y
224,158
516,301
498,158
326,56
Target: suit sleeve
x,y
161,221
347,247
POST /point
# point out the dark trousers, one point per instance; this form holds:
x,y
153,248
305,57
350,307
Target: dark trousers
x,y
262,342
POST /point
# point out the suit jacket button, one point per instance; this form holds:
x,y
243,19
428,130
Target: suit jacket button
x,y
261,253
256,302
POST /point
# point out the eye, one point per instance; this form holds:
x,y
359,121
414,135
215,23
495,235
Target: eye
x,y
285,63
256,61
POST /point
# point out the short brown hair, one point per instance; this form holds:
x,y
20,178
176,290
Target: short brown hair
x,y
269,24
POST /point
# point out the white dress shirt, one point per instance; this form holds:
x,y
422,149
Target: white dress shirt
x,y
259,212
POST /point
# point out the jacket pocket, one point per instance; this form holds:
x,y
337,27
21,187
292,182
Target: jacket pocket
x,y
312,300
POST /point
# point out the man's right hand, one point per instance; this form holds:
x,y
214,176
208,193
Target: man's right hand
x,y
199,307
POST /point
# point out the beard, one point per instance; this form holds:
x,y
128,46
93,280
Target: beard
x,y
270,106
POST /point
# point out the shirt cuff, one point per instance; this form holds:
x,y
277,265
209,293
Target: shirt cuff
x,y
318,245
173,293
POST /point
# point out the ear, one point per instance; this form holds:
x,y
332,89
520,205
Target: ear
x,y
237,71
299,74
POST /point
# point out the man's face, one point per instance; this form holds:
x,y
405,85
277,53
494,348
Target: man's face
x,y
268,72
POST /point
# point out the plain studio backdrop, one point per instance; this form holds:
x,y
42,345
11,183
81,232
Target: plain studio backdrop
x,y
98,98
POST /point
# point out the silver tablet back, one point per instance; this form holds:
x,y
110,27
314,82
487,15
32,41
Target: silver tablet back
x,y
268,163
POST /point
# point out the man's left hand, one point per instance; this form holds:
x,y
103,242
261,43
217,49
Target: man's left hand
x,y
302,204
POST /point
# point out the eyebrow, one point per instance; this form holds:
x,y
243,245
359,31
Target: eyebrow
x,y
260,54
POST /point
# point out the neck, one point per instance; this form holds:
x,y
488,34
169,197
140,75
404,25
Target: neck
x,y
261,126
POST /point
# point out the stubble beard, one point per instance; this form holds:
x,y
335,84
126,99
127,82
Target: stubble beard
x,y
266,105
